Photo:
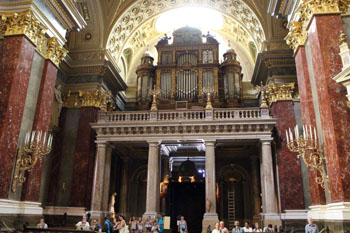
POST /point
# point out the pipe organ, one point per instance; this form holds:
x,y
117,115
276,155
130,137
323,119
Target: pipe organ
x,y
187,69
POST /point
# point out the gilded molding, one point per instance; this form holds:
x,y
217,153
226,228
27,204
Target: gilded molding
x,y
298,30
26,23
99,98
276,92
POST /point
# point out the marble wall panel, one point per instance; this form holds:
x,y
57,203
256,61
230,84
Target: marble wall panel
x,y
335,115
84,158
15,69
308,116
289,172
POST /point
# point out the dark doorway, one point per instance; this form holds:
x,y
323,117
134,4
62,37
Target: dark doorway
x,y
187,199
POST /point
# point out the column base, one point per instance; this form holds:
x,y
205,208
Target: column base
x,y
209,219
333,211
20,207
152,214
272,218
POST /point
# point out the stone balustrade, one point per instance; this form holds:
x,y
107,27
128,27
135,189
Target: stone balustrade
x,y
185,115
229,123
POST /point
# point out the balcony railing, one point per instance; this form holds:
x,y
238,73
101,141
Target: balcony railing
x,y
219,114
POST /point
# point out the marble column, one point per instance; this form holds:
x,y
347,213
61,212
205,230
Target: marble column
x,y
331,100
15,69
289,171
107,179
308,116
98,181
210,216
124,187
41,123
152,178
268,182
84,156
255,186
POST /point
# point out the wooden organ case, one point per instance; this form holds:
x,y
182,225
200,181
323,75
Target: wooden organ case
x,y
186,70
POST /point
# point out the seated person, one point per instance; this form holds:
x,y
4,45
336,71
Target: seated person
x,y
83,224
42,224
95,226
268,228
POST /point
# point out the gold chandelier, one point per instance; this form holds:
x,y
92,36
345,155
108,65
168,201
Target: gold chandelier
x,y
307,147
35,147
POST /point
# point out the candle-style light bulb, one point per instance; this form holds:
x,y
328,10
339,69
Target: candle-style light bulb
x,y
44,139
304,133
315,134
287,136
33,136
290,135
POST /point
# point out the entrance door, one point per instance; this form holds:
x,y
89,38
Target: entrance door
x,y
187,199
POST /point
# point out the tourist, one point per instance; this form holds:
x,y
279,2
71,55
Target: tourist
x,y
42,224
311,227
155,227
160,222
122,227
83,224
140,225
257,227
95,226
148,224
237,228
217,228
182,228
133,224
268,228
223,229
247,228
107,226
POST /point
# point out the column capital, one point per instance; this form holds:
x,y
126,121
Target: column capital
x,y
153,142
101,145
210,142
266,141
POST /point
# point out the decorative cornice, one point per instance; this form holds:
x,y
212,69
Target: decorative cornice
x,y
276,92
298,30
99,98
26,23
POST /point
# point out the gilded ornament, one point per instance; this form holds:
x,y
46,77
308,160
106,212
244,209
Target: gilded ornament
x,y
276,93
55,52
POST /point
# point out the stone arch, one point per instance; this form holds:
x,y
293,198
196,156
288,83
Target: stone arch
x,y
138,181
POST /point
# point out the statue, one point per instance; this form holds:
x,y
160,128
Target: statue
x,y
58,96
208,206
111,204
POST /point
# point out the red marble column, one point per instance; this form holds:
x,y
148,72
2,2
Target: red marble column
x,y
289,173
42,120
84,159
15,68
335,115
308,115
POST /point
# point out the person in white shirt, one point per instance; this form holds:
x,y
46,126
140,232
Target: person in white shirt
x,y
223,228
217,228
257,228
42,224
83,224
155,227
247,228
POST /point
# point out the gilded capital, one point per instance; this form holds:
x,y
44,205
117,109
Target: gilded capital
x,y
296,36
276,92
55,52
99,98
23,23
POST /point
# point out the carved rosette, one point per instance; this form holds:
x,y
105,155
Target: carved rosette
x,y
276,92
99,98
298,31
26,23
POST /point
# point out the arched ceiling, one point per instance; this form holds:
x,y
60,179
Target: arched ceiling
x,y
128,27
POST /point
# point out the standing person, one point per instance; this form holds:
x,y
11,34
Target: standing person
x,y
42,224
107,226
217,228
95,226
268,228
140,225
160,223
257,227
83,224
223,229
182,228
247,228
133,224
237,228
311,227
122,227
155,227
148,224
